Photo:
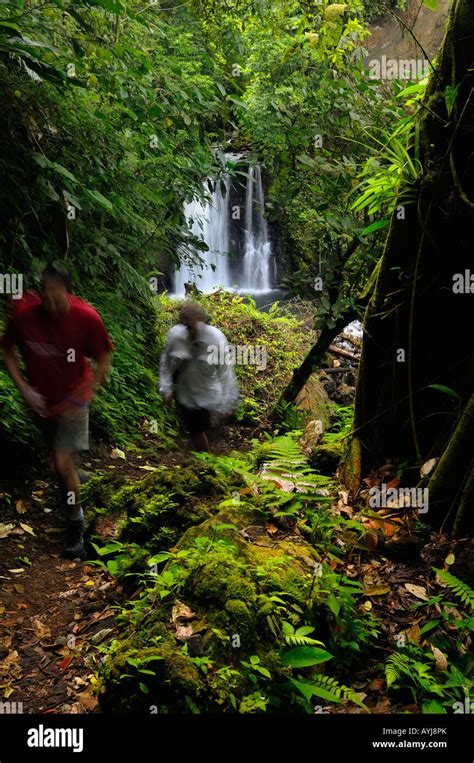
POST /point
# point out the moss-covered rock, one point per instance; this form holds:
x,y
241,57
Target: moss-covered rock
x,y
236,590
158,508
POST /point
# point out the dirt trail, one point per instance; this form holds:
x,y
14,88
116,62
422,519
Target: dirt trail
x,y
54,613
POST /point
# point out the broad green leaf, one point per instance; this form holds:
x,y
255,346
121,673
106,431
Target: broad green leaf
x,y
305,656
377,225
433,706
99,199
446,390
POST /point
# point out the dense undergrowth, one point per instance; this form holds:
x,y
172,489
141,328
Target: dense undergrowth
x,y
242,596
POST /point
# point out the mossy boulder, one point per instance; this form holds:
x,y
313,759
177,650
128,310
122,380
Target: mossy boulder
x,y
158,508
234,580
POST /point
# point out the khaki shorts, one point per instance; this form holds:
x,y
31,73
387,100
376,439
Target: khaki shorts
x,y
69,431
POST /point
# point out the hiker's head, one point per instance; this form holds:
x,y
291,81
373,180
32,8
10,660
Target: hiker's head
x,y
56,282
190,314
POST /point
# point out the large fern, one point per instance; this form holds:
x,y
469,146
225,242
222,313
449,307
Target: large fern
x,y
328,688
284,458
458,587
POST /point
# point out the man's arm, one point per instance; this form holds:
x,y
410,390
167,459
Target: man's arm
x,y
31,396
102,366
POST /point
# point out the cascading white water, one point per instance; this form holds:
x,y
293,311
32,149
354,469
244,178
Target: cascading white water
x,y
210,221
257,252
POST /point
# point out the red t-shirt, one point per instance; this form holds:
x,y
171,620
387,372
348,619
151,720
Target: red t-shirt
x,y
55,350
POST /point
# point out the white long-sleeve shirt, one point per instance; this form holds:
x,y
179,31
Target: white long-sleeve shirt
x,y
206,379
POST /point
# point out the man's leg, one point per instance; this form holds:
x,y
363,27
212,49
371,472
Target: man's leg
x,y
72,435
69,481
71,493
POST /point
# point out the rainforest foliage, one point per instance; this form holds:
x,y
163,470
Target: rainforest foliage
x,y
114,112
254,580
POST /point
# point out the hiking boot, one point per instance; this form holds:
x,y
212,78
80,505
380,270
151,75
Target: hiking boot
x,y
74,539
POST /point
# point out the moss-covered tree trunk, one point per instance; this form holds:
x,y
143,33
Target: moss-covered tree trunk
x,y
418,325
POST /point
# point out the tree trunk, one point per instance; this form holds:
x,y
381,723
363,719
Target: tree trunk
x,y
417,327
311,362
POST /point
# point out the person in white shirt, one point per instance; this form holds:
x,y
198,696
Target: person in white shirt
x,y
196,367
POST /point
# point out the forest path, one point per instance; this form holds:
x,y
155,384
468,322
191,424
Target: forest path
x,y
55,613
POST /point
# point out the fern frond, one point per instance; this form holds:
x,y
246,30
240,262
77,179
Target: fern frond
x,y
458,587
285,459
328,688
294,640
394,667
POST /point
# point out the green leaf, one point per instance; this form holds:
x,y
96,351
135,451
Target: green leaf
x,y
99,199
431,4
305,656
8,26
309,690
450,95
304,159
433,706
446,390
377,225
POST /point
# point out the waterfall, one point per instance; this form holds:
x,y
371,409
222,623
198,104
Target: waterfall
x,y
208,221
215,223
256,262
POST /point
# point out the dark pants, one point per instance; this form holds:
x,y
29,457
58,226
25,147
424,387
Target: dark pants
x,y
194,420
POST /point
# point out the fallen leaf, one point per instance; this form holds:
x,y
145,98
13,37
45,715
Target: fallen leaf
x,y
181,611
117,453
183,632
149,468
377,590
18,571
66,661
41,629
441,661
87,699
450,559
20,507
417,590
413,633
27,528
19,588
6,530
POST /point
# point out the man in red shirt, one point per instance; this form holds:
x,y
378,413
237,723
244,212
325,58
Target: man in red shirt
x,y
56,333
